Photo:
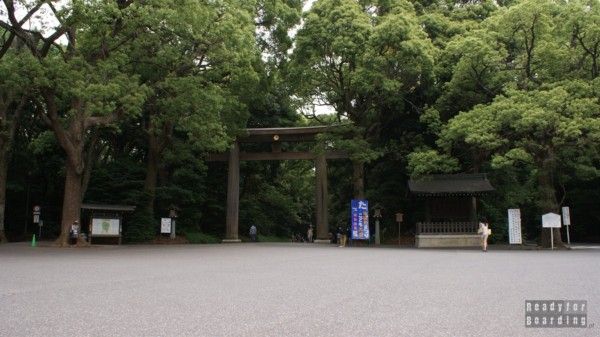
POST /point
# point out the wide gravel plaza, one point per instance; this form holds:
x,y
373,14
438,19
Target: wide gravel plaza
x,y
287,290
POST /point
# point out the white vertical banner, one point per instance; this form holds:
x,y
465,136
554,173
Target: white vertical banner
x,y
514,226
566,216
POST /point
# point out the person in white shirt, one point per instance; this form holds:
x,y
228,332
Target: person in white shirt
x,y
484,231
309,233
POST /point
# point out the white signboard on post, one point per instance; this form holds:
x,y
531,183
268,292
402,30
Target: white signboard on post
x,y
165,225
551,220
514,226
37,211
106,227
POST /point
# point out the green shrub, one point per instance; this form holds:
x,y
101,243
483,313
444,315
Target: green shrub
x,y
265,238
197,237
140,227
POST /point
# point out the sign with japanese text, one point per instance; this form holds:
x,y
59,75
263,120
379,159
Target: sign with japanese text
x,y
514,226
359,219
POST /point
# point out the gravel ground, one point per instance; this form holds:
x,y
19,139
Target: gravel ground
x,y
287,290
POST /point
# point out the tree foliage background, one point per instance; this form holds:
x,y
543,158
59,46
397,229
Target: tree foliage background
x,y
120,101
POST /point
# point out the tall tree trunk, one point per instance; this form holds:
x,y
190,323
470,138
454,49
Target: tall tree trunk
x,y
91,158
72,201
152,170
358,180
3,173
548,203
72,141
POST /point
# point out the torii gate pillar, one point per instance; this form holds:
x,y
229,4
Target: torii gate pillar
x,y
321,199
233,195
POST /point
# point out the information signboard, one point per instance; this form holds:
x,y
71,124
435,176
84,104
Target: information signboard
x,y
551,220
106,227
165,225
359,219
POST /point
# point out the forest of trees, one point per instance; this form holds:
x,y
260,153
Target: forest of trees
x,y
121,101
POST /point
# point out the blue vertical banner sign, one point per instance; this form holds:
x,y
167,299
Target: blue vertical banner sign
x,y
359,218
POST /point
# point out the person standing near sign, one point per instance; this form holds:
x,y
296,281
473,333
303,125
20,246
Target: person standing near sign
x,y
484,231
341,237
253,232
309,234
74,233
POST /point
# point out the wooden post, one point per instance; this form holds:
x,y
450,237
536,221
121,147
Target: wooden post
x,y
321,199
90,228
474,209
120,230
377,232
233,195
428,209
358,179
173,229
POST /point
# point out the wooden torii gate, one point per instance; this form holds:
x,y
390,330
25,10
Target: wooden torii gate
x,y
276,136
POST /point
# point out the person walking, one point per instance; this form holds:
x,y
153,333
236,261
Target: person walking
x,y
485,231
252,233
309,234
341,237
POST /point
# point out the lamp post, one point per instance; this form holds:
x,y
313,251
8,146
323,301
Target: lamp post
x,y
399,218
377,215
173,216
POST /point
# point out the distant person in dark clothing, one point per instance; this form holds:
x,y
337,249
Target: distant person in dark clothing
x,y
349,234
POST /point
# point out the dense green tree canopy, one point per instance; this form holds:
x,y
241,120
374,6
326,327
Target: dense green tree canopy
x,y
123,100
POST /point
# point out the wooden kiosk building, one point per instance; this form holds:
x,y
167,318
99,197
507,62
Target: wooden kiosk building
x,y
105,221
450,209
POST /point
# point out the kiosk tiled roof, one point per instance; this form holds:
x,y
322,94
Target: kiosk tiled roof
x,y
106,207
451,184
